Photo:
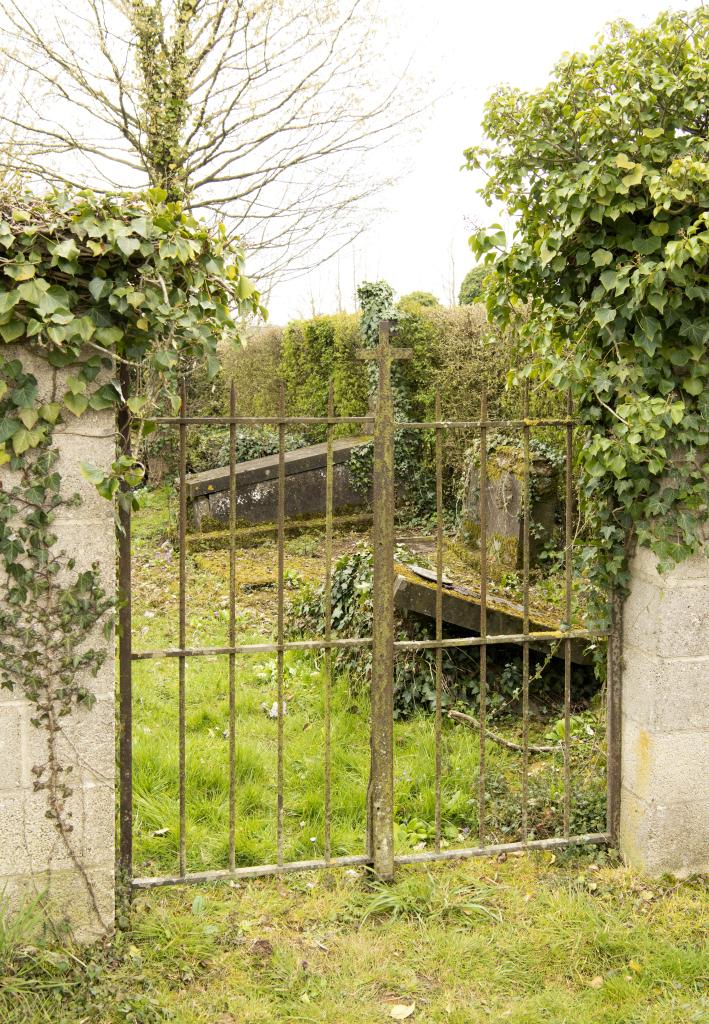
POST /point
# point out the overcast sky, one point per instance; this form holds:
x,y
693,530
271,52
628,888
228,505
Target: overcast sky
x,y
464,48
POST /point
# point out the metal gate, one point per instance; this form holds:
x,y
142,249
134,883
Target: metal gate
x,y
380,853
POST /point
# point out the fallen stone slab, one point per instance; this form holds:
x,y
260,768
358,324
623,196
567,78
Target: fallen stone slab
x,y
257,487
415,591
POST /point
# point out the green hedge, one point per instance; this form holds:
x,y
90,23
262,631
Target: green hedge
x,y
455,351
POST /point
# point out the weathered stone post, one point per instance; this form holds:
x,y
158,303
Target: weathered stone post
x,y
77,875
664,811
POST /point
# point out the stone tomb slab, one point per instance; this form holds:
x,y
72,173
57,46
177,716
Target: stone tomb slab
x,y
415,591
257,486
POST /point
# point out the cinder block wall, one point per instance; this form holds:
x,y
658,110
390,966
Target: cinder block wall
x,y
664,818
33,858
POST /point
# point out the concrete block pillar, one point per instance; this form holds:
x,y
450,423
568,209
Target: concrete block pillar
x,y
78,884
664,810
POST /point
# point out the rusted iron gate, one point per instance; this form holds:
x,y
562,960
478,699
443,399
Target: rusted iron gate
x,y
380,854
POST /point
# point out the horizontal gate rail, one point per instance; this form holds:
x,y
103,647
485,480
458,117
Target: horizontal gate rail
x,y
380,815
552,636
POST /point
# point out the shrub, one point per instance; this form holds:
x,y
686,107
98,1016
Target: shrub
x,y
254,367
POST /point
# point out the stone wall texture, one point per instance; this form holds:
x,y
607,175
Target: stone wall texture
x,y
664,821
33,858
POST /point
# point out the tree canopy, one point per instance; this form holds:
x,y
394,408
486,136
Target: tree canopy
x,y
606,173
471,289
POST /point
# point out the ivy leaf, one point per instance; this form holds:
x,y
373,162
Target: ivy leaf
x,y
50,412
165,360
635,176
99,287
128,245
29,417
23,439
602,257
66,250
12,330
8,426
8,301
19,271
605,315
77,404
137,403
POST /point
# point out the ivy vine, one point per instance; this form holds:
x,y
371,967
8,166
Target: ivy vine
x,y
606,174
98,287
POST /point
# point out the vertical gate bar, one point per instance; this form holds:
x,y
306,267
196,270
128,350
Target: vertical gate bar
x,y
125,664
232,629
182,625
525,620
614,698
329,486
483,612
439,614
381,793
568,529
280,626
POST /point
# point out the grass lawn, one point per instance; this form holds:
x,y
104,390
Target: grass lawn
x,y
528,939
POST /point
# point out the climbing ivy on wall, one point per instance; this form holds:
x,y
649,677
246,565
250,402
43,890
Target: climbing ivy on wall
x,y
99,288
606,172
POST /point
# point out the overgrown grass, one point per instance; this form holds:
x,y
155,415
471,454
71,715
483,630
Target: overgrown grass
x,y
207,722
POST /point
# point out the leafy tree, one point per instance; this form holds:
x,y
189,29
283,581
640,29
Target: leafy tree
x,y
471,289
260,114
426,299
606,172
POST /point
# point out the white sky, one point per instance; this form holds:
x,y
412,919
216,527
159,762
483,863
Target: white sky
x,y
465,48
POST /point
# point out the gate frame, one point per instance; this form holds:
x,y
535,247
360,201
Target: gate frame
x,y
380,855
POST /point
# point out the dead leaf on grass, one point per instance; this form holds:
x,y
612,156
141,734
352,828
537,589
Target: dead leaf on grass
x,y
401,1011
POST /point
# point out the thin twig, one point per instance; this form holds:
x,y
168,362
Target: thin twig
x,y
459,716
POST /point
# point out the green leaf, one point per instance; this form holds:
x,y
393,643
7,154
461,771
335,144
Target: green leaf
x,y
109,336
92,473
20,271
164,359
128,245
635,176
623,160
137,403
23,440
50,412
605,315
76,386
8,301
8,426
693,386
66,250
602,257
77,404
29,417
12,330
99,287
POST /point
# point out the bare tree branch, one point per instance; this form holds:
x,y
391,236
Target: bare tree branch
x,y
261,115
